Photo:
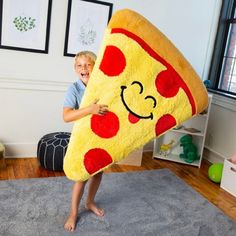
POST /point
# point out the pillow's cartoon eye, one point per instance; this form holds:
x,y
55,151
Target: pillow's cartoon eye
x,y
139,84
154,100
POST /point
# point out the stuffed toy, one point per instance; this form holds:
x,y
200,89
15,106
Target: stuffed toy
x,y
165,148
149,88
190,153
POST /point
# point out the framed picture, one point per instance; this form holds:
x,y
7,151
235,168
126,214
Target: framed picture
x,y
86,22
25,25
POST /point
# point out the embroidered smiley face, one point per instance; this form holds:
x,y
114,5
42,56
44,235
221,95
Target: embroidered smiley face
x,y
135,112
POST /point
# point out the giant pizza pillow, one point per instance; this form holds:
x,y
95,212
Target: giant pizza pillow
x,y
149,88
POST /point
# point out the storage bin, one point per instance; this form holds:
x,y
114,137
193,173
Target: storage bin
x,y
228,181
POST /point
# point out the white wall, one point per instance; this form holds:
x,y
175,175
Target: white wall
x,y
32,85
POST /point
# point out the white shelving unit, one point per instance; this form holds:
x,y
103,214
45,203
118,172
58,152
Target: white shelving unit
x,y
199,123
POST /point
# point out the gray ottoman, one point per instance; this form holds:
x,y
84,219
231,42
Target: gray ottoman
x,y
51,150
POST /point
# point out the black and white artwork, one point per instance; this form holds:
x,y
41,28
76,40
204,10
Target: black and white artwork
x,y
86,22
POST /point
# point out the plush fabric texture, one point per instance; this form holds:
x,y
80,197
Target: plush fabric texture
x,y
51,150
148,86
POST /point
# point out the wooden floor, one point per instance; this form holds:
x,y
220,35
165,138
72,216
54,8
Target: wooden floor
x,y
19,168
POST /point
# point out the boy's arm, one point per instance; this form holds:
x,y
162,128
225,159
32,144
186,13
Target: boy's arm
x,y
70,114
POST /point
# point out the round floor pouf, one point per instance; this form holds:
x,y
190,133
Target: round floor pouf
x,y
51,150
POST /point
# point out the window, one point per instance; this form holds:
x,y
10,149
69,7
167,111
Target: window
x,y
223,66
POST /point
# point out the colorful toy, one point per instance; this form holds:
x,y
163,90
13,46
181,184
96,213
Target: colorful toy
x,y
207,83
190,153
165,148
215,172
149,88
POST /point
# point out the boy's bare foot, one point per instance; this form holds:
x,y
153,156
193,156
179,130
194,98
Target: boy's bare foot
x,y
70,223
92,207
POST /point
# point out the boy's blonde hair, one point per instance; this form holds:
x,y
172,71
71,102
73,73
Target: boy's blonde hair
x,y
89,54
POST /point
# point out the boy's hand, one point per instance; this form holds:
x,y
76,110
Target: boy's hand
x,y
99,109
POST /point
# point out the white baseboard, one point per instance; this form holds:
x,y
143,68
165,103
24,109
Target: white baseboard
x,y
20,150
24,150
29,150
213,156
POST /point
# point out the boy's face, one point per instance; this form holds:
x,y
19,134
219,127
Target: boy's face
x,y
83,67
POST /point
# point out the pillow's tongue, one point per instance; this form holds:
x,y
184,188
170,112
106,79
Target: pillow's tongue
x,y
133,119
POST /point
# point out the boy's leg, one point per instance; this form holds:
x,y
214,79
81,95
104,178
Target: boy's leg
x,y
93,188
77,193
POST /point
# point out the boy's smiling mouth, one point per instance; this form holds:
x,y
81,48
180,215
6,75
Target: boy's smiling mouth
x,y
150,115
84,75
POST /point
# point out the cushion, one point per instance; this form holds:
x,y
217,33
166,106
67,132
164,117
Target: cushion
x,y
51,150
149,88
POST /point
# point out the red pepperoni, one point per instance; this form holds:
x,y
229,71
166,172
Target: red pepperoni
x,y
113,61
96,159
168,83
105,126
164,123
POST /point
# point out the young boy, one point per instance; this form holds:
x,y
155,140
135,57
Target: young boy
x,y
84,63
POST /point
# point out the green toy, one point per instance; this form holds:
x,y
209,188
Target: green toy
x,y
215,172
190,153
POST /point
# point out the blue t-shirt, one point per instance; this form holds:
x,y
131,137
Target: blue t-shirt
x,y
74,95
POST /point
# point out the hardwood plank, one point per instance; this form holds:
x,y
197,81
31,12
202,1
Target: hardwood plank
x,y
10,171
20,170
197,178
3,173
30,168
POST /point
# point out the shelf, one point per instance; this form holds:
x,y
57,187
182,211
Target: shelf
x,y
172,139
175,158
183,131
